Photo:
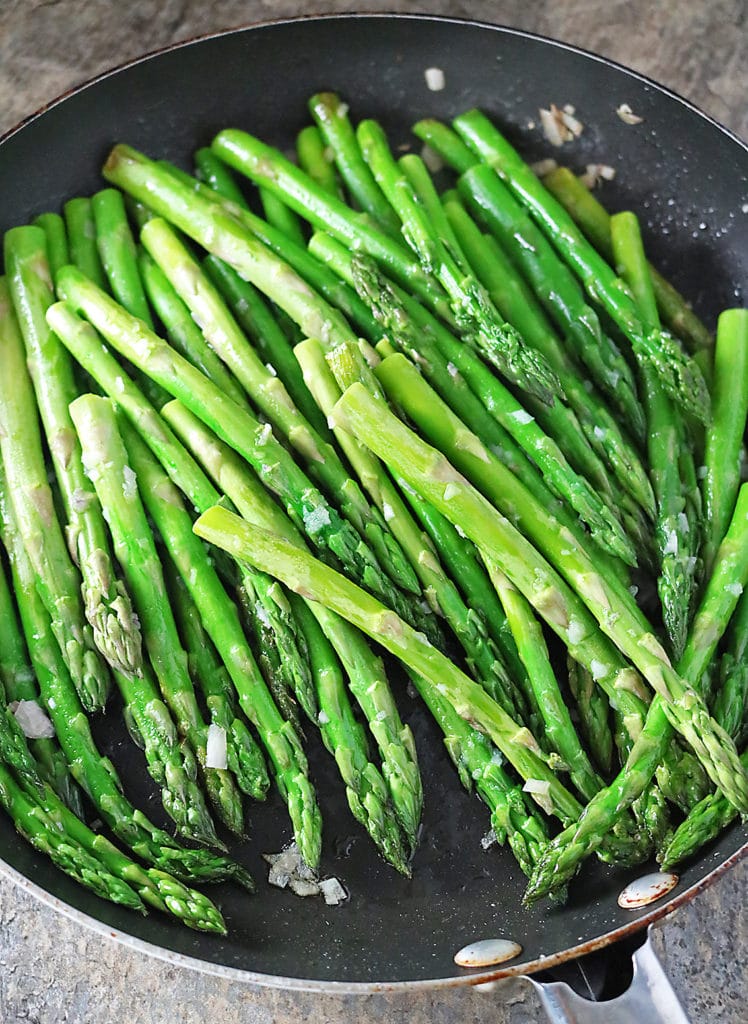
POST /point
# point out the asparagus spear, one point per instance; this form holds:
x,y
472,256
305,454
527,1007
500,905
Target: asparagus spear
x,y
594,220
541,448
31,496
555,287
278,214
220,621
81,229
43,832
564,854
367,678
331,116
118,253
724,438
307,506
96,775
473,309
216,174
677,533
557,724
106,602
301,572
477,765
439,589
317,159
515,301
115,482
281,646
244,757
731,703
681,377
366,791
594,714
269,395
94,860
447,143
182,331
53,227
433,477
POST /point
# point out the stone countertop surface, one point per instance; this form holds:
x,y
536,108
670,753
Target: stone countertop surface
x,y
54,972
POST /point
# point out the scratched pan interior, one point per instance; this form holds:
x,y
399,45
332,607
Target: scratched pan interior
x,y
681,171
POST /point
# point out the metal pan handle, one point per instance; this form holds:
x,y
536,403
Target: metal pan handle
x,y
650,997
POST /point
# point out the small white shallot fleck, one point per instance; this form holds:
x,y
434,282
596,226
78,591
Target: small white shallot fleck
x,y
264,435
431,158
575,632
129,484
451,491
342,109
488,839
453,371
333,891
388,512
671,544
559,125
215,750
683,524
435,79
539,790
598,669
736,589
323,718
271,369
627,115
542,167
316,518
701,472
599,433
595,173
521,416
33,720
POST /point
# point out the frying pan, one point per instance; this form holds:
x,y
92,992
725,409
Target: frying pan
x,y
686,175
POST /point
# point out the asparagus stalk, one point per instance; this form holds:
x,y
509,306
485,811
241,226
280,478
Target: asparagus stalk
x,y
278,214
446,143
441,593
115,482
557,725
367,678
18,681
182,331
221,622
105,600
81,229
677,534
33,505
477,765
731,703
261,327
473,309
331,117
244,757
281,646
43,832
594,714
322,523
538,446
515,301
301,572
594,220
681,377
118,254
269,395
217,176
366,791
95,774
555,287
724,437
41,811
435,479
563,855
53,227
316,159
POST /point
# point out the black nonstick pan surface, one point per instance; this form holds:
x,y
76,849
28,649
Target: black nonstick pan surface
x,y
688,179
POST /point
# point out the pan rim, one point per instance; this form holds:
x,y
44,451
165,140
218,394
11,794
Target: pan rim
x,y
321,986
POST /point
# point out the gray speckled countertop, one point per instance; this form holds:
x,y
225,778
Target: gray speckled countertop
x,y
51,970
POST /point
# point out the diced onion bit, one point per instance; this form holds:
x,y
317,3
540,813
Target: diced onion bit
x,y
431,158
595,173
332,891
435,79
215,752
33,720
559,124
543,167
627,115
129,483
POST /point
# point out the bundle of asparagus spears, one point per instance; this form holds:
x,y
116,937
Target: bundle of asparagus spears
x,y
238,447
